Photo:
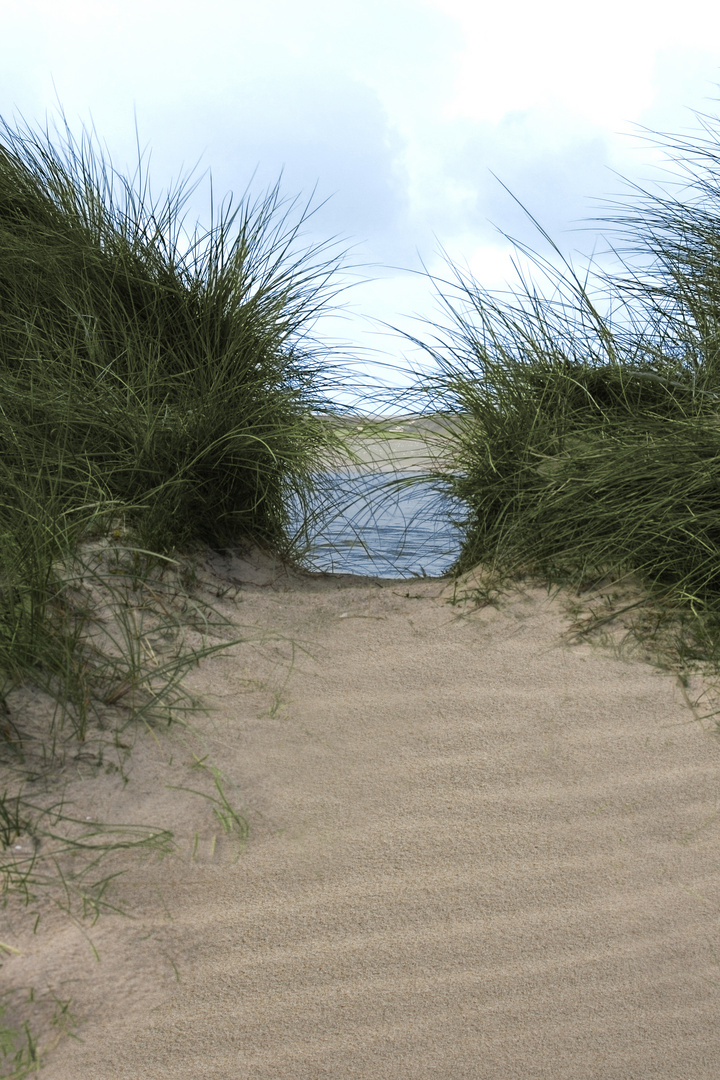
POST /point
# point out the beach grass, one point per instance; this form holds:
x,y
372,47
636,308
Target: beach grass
x,y
587,451
152,404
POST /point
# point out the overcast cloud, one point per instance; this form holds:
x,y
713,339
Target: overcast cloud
x,y
396,111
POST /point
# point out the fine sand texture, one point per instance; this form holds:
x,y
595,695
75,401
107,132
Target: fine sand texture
x,y
476,850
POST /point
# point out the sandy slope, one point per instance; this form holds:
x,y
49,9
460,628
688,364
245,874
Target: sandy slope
x,y
475,852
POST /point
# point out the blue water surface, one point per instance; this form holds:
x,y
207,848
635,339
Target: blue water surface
x,y
365,528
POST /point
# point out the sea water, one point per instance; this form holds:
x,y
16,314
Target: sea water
x,y
366,527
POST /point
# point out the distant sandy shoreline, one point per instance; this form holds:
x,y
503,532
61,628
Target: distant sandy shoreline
x,y
396,444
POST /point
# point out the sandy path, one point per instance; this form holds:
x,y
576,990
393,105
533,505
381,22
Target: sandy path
x,y
475,853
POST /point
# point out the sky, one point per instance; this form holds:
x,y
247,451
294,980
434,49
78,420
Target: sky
x,y
395,113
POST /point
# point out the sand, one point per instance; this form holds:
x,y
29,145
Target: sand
x,y
400,444
475,851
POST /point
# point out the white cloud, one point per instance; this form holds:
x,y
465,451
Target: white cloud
x,y
518,55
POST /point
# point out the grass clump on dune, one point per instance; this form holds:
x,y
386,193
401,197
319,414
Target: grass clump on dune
x,y
152,404
183,387
587,453
172,401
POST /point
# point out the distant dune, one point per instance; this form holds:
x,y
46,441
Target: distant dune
x,y
396,444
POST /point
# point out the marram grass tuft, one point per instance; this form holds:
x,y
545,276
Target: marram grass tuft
x,y
585,450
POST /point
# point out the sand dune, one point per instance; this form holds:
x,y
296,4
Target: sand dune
x,y
401,444
476,851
